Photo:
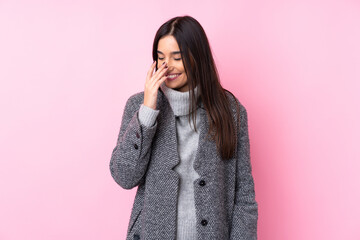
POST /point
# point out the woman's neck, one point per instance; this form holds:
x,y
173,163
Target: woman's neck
x,y
179,101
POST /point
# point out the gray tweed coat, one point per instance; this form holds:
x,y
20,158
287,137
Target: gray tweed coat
x,y
145,157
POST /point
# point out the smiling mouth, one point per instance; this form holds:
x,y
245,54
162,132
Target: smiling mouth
x,y
172,76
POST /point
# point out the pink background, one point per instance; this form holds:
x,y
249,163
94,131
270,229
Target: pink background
x,y
68,67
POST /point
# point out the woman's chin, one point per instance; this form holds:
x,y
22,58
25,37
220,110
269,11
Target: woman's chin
x,y
177,86
170,83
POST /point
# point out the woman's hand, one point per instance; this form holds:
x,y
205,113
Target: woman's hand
x,y
152,84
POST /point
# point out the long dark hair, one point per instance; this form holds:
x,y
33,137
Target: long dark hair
x,y
201,71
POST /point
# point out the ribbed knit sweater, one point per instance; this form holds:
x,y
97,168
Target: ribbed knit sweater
x,y
187,140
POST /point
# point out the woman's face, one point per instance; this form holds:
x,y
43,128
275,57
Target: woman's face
x,y
168,51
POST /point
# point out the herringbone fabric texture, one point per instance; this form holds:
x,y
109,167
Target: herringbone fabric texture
x,y
145,157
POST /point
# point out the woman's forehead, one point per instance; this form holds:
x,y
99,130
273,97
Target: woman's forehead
x,y
168,44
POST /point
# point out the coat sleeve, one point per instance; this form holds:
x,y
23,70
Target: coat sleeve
x,y
245,214
130,157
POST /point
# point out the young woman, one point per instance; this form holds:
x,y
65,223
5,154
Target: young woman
x,y
194,178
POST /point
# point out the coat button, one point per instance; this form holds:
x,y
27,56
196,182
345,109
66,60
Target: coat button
x,y
204,222
136,146
202,183
136,237
137,135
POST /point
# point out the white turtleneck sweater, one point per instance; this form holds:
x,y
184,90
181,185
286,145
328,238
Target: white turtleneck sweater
x,y
187,140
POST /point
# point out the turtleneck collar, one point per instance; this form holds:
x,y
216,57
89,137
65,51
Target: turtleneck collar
x,y
179,101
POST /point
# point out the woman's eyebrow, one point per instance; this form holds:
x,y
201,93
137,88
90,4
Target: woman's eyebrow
x,y
175,52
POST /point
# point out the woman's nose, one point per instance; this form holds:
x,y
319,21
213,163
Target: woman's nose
x,y
168,68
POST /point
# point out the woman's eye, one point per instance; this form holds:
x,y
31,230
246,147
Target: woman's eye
x,y
177,59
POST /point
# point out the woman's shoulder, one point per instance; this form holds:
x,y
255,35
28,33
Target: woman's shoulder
x,y
238,109
234,101
137,97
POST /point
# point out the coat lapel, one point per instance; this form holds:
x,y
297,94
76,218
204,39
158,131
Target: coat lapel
x,y
159,216
169,118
